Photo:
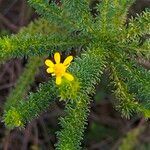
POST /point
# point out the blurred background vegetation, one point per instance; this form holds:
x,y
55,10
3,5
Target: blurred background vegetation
x,y
107,130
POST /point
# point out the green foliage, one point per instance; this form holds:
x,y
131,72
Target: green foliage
x,y
139,26
24,82
135,34
107,44
82,16
111,12
88,70
127,104
37,39
145,49
51,12
132,78
36,103
129,142
73,124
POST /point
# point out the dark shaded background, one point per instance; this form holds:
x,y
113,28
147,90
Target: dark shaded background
x,y
105,128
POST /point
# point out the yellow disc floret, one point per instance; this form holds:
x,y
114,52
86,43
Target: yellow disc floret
x,y
59,69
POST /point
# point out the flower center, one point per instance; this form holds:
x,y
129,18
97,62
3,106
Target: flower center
x,y
59,69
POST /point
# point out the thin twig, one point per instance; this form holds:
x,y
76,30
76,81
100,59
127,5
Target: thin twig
x,y
10,25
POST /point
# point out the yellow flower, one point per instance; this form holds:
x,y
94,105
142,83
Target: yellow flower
x,y
59,69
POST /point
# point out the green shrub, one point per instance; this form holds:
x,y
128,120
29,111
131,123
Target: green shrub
x,y
107,42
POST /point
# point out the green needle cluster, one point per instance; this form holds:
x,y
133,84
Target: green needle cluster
x,y
101,42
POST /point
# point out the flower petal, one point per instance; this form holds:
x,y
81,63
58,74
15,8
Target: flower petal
x,y
68,76
49,63
68,60
50,70
58,80
57,58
